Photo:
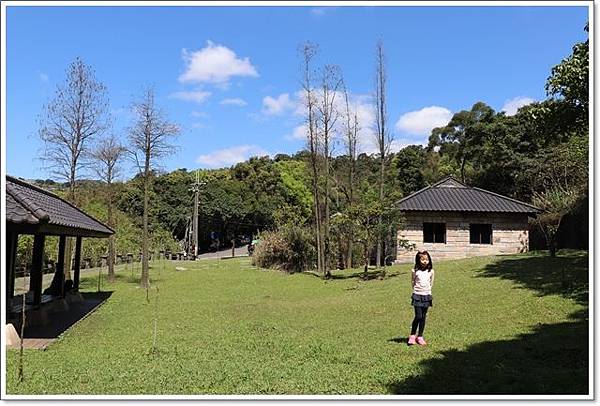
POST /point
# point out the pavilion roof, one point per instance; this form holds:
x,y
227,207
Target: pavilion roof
x,y
31,209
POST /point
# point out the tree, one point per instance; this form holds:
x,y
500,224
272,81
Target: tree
x,y
409,164
309,51
76,115
570,78
462,137
369,219
562,176
150,139
555,203
71,120
107,155
327,116
384,136
351,142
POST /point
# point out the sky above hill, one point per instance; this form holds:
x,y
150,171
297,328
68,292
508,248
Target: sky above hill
x,y
231,75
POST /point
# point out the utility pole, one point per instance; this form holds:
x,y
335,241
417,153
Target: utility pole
x,y
188,236
194,226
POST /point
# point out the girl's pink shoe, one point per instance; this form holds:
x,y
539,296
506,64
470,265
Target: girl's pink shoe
x,y
412,340
421,341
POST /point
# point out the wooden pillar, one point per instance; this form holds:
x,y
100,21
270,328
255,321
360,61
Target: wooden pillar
x,y
12,240
37,263
77,264
60,263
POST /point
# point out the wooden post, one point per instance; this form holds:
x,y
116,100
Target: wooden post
x,y
60,263
233,248
12,240
37,262
77,265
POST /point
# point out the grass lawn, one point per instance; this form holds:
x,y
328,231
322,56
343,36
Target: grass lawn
x,y
499,325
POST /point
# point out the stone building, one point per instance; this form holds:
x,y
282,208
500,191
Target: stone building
x,y
452,220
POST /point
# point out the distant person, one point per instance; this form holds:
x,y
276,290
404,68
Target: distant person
x,y
422,283
252,246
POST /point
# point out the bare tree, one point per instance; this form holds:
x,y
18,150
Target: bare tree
x,y
150,139
326,128
70,121
106,156
78,113
352,128
384,137
309,51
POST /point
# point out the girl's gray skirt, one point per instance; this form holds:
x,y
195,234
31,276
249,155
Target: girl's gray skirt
x,y
421,300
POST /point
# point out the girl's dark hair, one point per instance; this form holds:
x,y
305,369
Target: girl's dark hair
x,y
418,263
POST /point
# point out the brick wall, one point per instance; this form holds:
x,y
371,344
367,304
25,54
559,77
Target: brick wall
x,y
509,234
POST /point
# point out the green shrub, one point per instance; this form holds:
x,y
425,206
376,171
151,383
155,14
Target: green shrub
x,y
290,249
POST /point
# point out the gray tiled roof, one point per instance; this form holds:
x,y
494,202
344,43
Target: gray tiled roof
x,y
451,195
27,204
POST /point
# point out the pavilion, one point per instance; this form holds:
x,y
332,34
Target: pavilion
x,y
38,212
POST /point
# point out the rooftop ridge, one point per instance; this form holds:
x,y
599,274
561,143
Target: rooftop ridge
x,y
32,186
413,194
446,179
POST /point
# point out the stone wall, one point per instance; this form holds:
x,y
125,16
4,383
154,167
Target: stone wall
x,y
510,234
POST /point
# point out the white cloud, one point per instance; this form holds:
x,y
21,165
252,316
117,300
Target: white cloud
x,y
199,114
511,106
421,122
298,133
197,96
321,11
214,64
233,102
276,106
230,156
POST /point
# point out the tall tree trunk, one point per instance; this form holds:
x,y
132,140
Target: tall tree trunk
x,y
144,282
384,142
326,244
69,246
366,257
380,219
317,204
111,239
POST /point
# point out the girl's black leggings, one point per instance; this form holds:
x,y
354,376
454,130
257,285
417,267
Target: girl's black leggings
x,y
419,320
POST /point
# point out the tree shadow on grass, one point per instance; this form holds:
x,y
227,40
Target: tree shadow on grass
x,y
373,274
90,282
565,275
551,360
378,274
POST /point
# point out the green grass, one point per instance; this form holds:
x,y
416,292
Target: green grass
x,y
499,325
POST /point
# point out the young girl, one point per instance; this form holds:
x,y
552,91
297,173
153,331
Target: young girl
x,y
422,282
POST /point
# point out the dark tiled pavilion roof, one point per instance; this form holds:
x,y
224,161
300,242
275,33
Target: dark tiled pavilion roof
x,y
452,195
30,209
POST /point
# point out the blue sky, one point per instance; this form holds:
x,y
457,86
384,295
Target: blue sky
x,y
231,75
